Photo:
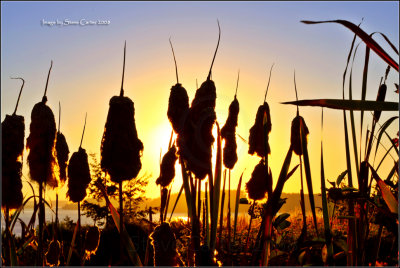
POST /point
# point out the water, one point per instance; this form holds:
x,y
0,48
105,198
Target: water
x,y
26,215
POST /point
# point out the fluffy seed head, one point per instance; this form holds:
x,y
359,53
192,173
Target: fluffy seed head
x,y
258,139
41,145
178,107
295,138
164,244
260,182
167,169
121,148
78,175
62,152
92,239
53,254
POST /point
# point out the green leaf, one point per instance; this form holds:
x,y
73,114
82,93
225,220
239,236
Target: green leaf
x,y
283,225
278,220
356,105
387,195
341,177
176,202
365,37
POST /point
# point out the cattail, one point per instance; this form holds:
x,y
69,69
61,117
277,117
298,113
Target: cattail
x,y
295,138
259,132
53,254
297,123
92,239
197,139
120,147
258,141
164,244
13,134
41,143
62,151
363,183
78,173
178,104
228,132
260,182
167,169
380,97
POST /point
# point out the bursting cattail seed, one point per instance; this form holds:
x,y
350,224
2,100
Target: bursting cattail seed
x,y
260,182
167,169
295,138
164,244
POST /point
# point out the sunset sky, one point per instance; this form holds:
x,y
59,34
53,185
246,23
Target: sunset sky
x,y
88,65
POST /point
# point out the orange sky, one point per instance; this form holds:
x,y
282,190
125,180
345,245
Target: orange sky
x,y
88,64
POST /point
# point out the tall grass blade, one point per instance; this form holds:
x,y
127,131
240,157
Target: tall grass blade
x,y
216,192
186,186
221,219
237,206
72,243
364,88
365,37
382,130
353,126
176,202
328,233
356,105
307,171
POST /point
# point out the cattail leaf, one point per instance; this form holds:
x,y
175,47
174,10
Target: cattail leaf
x,y
216,191
17,212
25,245
341,177
365,37
237,202
328,232
72,243
185,179
387,195
14,258
176,202
281,218
352,124
382,129
356,105
308,173
364,88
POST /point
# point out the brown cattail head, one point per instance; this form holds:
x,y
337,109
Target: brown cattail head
x,y
53,254
11,184
258,139
196,141
62,152
78,175
164,244
167,169
380,97
363,183
13,135
41,145
295,138
228,132
121,148
178,107
260,182
92,239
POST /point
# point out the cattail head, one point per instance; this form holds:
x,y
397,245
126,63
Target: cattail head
x,y
258,139
41,145
78,175
92,239
120,147
13,134
53,254
167,169
164,244
232,120
62,152
11,184
230,155
295,138
178,107
260,182
380,97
